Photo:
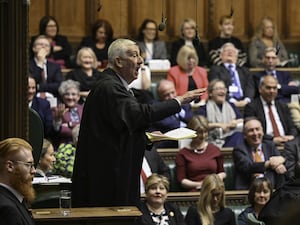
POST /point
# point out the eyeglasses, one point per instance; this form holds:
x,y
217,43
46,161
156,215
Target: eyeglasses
x,y
220,89
70,94
29,165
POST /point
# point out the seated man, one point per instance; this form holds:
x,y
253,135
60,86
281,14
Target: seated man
x,y
292,155
47,74
274,115
257,158
165,91
238,80
286,86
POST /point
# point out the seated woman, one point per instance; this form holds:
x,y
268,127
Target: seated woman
x,y
259,194
187,75
47,159
149,43
61,49
69,113
86,74
266,36
193,164
155,208
224,119
189,36
100,39
211,205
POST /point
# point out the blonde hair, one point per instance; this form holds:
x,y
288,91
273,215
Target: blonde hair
x,y
211,183
184,53
260,29
156,179
92,54
190,22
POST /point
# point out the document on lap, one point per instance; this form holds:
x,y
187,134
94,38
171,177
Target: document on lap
x,y
176,134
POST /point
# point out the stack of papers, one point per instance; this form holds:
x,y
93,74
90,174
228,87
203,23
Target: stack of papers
x,y
176,134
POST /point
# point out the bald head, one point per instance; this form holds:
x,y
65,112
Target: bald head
x,y
166,90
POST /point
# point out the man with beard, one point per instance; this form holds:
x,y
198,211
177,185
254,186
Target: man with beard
x,y
16,175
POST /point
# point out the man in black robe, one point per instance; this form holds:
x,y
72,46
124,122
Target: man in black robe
x,y
112,136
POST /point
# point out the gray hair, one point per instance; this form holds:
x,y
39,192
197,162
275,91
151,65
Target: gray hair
x,y
228,44
68,84
118,48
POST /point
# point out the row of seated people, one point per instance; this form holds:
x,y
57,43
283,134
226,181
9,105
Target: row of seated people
x,y
153,48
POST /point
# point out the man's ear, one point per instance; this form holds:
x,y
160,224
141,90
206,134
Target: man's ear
x,y
9,166
118,62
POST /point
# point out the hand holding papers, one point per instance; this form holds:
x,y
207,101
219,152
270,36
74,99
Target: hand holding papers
x,y
176,134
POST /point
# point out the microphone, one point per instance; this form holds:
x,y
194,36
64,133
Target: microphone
x,y
162,25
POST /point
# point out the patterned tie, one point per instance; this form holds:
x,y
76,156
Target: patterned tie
x,y
74,116
273,122
236,94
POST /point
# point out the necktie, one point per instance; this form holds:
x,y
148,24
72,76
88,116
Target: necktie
x,y
273,122
43,77
258,155
144,176
74,116
237,92
131,92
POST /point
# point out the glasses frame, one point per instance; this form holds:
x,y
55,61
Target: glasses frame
x,y
29,165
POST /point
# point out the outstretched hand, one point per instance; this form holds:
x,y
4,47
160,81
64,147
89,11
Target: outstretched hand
x,y
191,95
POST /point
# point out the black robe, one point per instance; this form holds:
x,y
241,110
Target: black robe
x,y
111,144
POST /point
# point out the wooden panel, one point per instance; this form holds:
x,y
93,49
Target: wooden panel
x,y
37,10
179,10
71,17
292,19
147,9
259,9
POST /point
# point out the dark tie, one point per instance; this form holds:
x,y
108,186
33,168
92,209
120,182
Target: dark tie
x,y
25,204
131,92
274,124
236,94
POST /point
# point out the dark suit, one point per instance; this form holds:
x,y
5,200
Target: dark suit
x,y
111,144
42,106
174,213
170,123
255,108
245,167
12,211
246,79
176,45
156,163
54,77
292,155
283,77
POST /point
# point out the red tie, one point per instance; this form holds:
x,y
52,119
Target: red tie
x,y
144,176
274,125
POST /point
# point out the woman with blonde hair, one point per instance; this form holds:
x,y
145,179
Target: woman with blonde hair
x,y
86,73
155,209
188,36
211,208
187,75
266,36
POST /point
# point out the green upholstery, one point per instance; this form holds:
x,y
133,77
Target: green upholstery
x,y
228,167
36,134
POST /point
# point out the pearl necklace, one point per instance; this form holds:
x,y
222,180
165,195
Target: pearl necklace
x,y
197,151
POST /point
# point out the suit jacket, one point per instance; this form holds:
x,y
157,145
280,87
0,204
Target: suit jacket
x,y
156,163
54,77
292,155
245,167
111,144
176,45
246,79
255,108
12,211
283,77
159,49
174,213
42,106
181,79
